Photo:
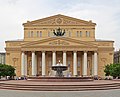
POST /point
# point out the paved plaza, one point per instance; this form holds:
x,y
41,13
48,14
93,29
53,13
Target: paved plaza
x,y
101,93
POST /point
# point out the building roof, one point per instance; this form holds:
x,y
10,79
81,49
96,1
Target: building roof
x,y
59,20
100,40
15,40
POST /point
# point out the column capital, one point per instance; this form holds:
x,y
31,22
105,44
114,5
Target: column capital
x,y
25,52
95,51
22,51
53,51
85,51
33,51
74,51
43,51
64,51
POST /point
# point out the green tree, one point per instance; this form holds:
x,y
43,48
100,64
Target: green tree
x,y
112,70
7,70
107,70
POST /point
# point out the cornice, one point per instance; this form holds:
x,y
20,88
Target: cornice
x,y
13,49
57,48
66,39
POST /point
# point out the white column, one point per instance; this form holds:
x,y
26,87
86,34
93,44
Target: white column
x,y
95,64
75,63
33,64
64,58
85,64
53,58
43,64
23,64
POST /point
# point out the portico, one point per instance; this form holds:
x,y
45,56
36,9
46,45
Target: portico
x,y
76,66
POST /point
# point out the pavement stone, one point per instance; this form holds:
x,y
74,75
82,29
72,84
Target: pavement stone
x,y
98,93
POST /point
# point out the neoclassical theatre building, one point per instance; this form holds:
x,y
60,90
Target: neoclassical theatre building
x,y
59,37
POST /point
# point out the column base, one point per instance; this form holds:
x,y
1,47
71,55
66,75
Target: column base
x,y
34,76
75,75
84,76
43,75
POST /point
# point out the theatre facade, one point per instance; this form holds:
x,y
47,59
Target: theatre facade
x,y
59,38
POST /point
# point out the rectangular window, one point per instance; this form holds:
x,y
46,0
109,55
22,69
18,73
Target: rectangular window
x,y
77,33
80,33
69,34
31,34
87,34
37,33
40,33
48,34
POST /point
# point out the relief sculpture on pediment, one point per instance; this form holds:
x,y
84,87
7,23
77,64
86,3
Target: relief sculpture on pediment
x,y
54,21
60,21
49,22
66,21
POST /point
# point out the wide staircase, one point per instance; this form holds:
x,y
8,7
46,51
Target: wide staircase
x,y
58,86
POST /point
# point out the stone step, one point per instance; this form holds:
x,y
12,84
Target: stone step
x,y
59,87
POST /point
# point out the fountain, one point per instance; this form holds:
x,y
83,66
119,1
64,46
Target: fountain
x,y
59,68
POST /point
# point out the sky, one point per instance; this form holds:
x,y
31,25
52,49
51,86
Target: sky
x,y
105,13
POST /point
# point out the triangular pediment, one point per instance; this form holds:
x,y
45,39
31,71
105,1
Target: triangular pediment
x,y
59,41
59,20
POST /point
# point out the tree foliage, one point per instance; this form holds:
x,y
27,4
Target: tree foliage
x,y
107,70
6,70
112,70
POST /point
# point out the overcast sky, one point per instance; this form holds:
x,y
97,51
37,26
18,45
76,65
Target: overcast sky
x,y
105,13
